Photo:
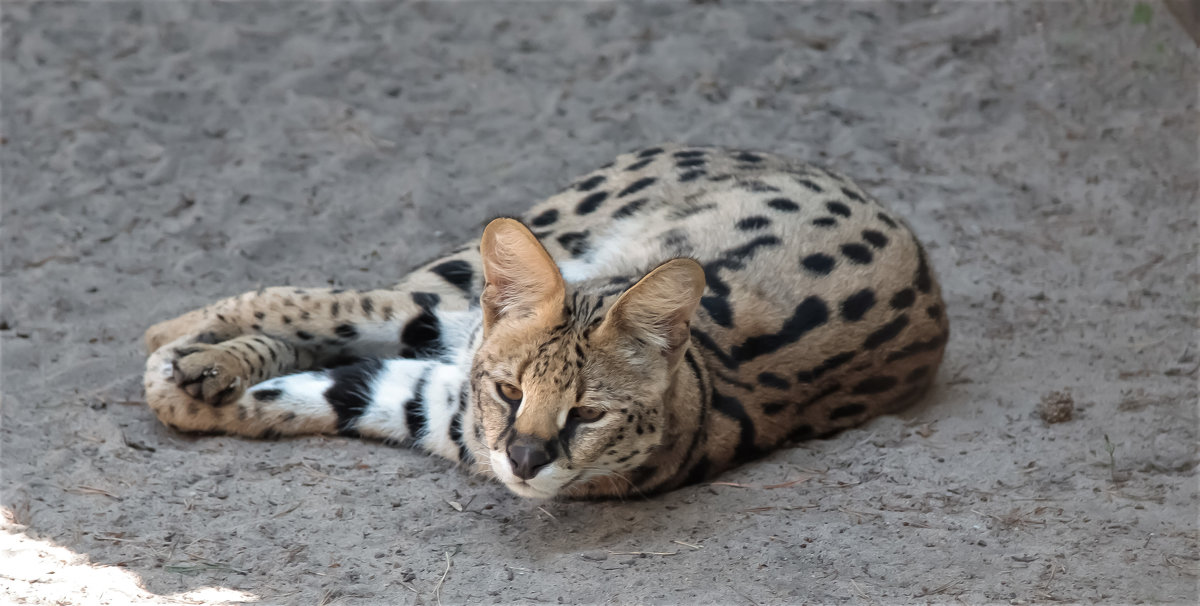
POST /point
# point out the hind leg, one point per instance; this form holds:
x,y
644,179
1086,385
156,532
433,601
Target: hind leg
x,y
335,322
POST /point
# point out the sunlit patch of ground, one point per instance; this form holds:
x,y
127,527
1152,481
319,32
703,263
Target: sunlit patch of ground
x,y
38,572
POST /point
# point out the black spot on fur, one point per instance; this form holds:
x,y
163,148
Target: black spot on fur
x,y
770,379
575,242
808,315
838,208
916,374
818,263
874,238
802,432
749,249
629,208
748,157
421,335
886,333
698,472
649,152
917,347
676,242
734,258
349,394
691,175
415,416
637,186
639,165
874,385
346,331
783,204
904,399
858,304
368,306
924,279
887,220
773,408
706,341
304,335
718,309
830,363
848,410
426,300
731,407
903,299
691,163
267,395
752,223
857,253
704,403
547,217
260,315
853,195
934,311
810,185
689,153
456,272
821,395
757,187
690,209
590,183
825,222
590,203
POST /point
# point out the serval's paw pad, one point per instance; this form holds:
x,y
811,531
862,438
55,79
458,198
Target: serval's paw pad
x,y
210,374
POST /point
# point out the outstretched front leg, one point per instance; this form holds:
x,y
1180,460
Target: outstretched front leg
x,y
209,357
420,402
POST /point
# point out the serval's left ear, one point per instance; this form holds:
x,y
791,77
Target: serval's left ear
x,y
521,277
658,309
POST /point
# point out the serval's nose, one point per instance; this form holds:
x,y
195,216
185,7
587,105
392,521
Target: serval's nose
x,y
529,455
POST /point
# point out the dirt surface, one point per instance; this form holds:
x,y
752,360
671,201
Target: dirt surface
x,y
157,156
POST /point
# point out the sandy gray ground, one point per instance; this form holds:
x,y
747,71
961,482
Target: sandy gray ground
x,y
157,156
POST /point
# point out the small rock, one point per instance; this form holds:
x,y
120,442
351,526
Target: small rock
x,y
594,556
1056,407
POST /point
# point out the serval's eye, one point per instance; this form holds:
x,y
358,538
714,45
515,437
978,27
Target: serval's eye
x,y
586,414
509,393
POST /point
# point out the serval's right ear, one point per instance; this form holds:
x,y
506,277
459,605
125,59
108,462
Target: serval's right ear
x,y
521,279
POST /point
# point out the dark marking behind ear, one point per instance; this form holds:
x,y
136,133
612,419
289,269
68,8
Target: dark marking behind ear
x,y
457,272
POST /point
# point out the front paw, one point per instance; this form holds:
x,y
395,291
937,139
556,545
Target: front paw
x,y
209,374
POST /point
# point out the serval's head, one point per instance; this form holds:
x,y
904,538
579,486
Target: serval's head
x,y
569,386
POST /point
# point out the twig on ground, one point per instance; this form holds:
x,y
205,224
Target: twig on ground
x,y
81,489
789,483
437,591
937,590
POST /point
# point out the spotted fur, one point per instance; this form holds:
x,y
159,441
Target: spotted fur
x,y
678,312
